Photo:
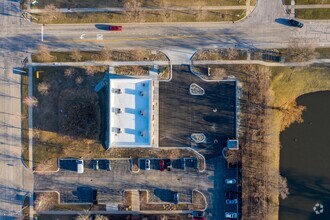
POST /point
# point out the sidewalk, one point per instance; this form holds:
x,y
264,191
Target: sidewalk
x,y
118,9
308,6
237,62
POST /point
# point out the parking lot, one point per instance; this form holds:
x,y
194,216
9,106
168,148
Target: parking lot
x,y
182,114
84,188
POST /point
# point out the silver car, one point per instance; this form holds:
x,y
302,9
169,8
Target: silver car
x,y
147,164
231,201
231,215
230,181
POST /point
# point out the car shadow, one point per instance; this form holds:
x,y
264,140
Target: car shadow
x,y
283,21
103,27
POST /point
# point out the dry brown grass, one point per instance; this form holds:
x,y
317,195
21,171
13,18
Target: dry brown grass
x,y
44,201
199,201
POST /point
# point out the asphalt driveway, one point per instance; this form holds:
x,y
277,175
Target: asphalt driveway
x,y
182,114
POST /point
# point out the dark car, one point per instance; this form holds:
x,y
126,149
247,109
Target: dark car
x,y
107,164
114,28
296,23
161,165
182,161
176,198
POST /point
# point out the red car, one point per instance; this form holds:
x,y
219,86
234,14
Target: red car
x,y
114,28
161,165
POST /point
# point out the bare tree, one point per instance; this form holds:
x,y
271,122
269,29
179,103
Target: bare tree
x,y
283,187
233,156
31,101
232,54
91,70
165,11
76,54
69,72
52,13
101,217
44,54
43,88
218,73
201,13
301,51
79,80
133,10
106,53
140,54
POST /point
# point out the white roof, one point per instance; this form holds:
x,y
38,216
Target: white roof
x,y
130,112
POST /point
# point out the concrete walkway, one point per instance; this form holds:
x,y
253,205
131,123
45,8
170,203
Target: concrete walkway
x,y
308,6
185,62
121,9
237,62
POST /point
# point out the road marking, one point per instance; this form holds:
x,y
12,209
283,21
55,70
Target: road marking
x,y
42,33
82,36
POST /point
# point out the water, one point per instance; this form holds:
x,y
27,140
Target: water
x,y
305,161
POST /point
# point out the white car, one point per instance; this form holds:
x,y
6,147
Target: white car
x,y
230,181
230,214
80,166
231,201
147,164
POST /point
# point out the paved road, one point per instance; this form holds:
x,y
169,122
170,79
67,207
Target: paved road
x,y
15,180
179,40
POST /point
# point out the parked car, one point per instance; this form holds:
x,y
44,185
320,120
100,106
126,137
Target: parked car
x,y
182,163
168,164
176,198
296,23
198,214
230,181
161,165
230,214
230,195
80,166
147,164
231,201
108,165
95,164
114,28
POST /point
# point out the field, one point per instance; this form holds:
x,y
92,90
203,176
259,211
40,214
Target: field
x,y
315,13
112,55
150,16
145,3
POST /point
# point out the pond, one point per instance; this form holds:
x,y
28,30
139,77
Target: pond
x,y
305,161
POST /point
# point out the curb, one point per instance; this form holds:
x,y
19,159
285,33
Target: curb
x,y
206,204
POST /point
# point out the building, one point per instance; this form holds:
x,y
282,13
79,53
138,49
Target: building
x,y
131,113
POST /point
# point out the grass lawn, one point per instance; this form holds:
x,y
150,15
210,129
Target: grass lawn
x,y
117,55
120,3
324,53
151,16
310,2
220,54
25,120
315,13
